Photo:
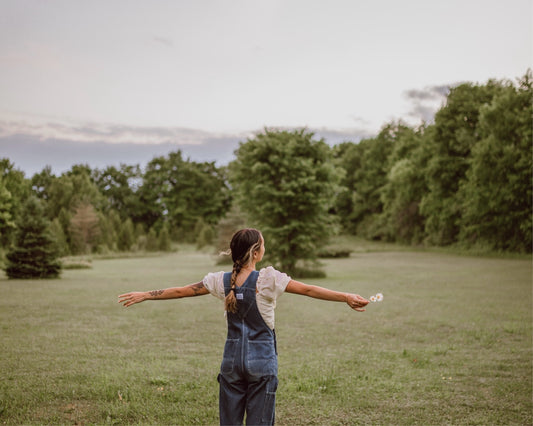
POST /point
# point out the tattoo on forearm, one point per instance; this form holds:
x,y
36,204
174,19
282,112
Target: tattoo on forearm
x,y
156,293
197,288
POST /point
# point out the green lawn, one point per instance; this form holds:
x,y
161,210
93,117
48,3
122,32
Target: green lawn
x,y
450,344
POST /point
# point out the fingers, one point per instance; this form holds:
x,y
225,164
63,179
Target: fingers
x,y
357,302
127,299
362,299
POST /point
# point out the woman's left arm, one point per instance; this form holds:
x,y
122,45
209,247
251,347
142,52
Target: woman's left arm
x,y
354,301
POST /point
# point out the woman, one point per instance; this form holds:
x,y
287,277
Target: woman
x,y
248,373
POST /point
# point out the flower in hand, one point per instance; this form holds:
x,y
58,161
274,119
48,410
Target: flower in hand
x,y
377,298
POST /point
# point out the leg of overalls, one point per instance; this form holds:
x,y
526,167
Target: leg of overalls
x,y
261,403
232,400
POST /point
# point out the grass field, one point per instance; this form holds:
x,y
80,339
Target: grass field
x,y
450,344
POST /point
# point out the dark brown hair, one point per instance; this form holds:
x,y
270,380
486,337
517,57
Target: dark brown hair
x,y
244,244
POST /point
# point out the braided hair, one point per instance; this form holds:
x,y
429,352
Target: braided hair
x,y
244,244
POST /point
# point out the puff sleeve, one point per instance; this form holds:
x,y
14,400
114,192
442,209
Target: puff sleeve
x,y
214,283
271,284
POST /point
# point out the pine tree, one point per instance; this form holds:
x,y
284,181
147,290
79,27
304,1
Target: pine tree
x,y
34,254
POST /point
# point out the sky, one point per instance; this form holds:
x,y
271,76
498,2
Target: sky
x,y
107,82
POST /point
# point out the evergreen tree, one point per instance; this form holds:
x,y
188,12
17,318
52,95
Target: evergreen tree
x,y
34,254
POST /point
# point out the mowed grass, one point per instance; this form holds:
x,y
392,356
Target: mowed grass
x,y
450,344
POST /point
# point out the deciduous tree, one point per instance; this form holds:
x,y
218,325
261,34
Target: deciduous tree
x,y
456,132
84,228
285,181
496,195
181,191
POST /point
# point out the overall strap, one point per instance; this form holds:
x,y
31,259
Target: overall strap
x,y
245,294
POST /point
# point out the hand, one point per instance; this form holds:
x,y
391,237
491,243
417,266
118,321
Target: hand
x,y
129,299
356,302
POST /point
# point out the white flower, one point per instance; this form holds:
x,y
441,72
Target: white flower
x,y
379,297
373,298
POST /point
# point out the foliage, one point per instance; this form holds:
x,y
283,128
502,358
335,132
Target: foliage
x,y
163,241
120,187
34,253
205,234
84,228
151,240
406,183
68,191
466,179
126,235
110,225
285,182
226,227
60,238
366,167
497,197
181,191
7,224
456,132
14,190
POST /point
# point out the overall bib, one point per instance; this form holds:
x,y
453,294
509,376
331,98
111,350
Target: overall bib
x,y
248,373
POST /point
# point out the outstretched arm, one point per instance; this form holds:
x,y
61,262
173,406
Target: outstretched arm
x,y
353,300
191,290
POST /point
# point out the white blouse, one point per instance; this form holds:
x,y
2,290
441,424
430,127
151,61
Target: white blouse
x,y
270,285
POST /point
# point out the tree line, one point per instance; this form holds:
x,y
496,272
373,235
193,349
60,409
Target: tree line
x,y
464,179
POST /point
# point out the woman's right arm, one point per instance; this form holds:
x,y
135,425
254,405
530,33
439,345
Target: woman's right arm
x,y
191,290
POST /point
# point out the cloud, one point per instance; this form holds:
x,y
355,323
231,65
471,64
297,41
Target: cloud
x,y
108,133
428,93
33,145
164,41
427,101
332,136
335,136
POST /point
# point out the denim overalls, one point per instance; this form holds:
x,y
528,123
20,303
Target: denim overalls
x,y
248,373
